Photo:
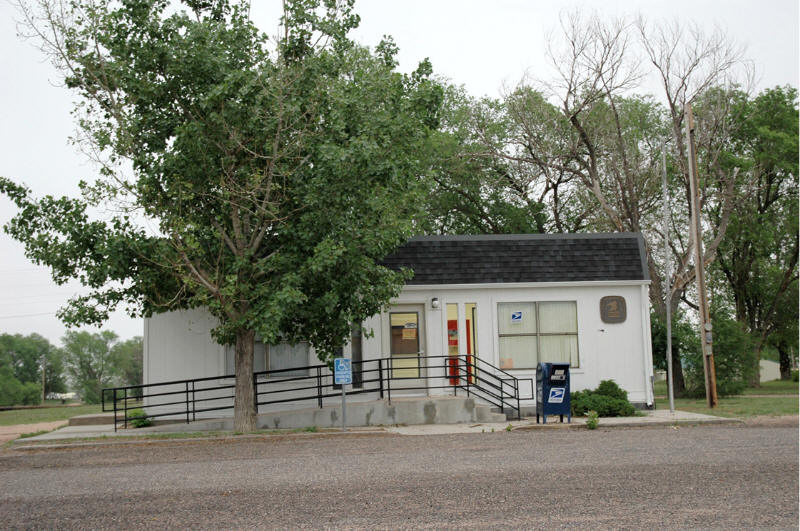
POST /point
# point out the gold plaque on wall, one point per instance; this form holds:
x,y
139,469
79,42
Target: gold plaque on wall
x,y
613,309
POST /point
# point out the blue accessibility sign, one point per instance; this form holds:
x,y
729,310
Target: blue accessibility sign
x,y
342,371
556,396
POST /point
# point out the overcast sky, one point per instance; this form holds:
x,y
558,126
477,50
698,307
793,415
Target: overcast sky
x,y
484,45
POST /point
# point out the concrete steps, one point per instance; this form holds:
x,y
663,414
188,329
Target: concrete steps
x,y
93,419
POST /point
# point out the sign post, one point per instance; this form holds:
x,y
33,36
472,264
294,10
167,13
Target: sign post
x,y
342,375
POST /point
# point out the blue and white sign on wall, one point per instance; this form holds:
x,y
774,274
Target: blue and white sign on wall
x,y
342,371
556,396
516,317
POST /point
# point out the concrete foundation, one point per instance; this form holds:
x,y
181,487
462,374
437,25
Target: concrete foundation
x,y
403,411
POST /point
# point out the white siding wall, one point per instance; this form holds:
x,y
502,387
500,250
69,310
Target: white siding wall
x,y
621,352
178,345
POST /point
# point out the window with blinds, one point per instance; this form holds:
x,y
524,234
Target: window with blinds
x,y
533,332
282,356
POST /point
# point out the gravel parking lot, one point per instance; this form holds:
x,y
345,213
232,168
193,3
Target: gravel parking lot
x,y
688,477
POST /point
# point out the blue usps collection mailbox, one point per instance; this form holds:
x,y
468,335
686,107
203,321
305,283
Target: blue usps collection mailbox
x,y
552,391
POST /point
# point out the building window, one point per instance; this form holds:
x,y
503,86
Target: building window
x,y
286,356
452,329
531,332
471,321
275,357
356,354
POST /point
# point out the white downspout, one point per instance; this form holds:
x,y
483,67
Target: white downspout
x,y
647,347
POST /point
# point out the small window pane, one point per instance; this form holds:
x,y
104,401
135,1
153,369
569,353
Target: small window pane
x,y
259,358
286,356
405,333
230,360
516,318
557,317
471,310
560,349
356,356
518,352
405,366
452,329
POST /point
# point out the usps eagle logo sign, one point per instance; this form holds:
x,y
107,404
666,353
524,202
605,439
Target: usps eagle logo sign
x,y
556,395
516,317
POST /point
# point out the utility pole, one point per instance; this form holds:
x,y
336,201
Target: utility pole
x,y
667,275
699,269
44,370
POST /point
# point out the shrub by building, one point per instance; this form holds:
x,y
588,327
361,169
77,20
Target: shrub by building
x,y
608,400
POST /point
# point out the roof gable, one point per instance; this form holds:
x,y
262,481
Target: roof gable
x,y
513,258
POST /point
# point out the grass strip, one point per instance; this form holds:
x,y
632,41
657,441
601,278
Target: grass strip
x,y
775,387
736,407
48,414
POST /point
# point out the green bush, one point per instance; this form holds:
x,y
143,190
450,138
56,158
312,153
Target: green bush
x,y
138,418
31,394
591,421
608,400
605,406
795,375
734,360
610,388
684,338
15,393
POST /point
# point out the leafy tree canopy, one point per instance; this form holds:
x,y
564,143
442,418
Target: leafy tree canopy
x,y
277,174
90,362
272,174
24,355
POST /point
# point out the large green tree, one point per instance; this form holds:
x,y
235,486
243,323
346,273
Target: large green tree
x,y
276,172
91,362
22,357
587,148
758,256
472,189
128,361
24,354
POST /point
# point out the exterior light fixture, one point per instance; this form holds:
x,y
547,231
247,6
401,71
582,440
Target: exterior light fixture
x,y
435,303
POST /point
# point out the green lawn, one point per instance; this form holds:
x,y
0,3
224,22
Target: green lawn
x,y
46,414
737,406
775,387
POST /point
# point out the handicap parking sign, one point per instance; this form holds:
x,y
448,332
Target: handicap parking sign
x,y
556,396
342,371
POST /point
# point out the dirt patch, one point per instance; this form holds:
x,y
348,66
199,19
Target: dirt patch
x,y
9,433
769,420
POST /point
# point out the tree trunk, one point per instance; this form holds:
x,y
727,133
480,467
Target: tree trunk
x,y
755,378
678,384
785,361
244,409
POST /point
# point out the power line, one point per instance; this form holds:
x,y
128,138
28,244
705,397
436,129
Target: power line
x,y
23,270
26,315
27,299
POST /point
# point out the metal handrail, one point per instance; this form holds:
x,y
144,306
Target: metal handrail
x,y
472,375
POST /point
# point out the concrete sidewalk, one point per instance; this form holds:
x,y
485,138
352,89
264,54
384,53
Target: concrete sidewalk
x,y
648,418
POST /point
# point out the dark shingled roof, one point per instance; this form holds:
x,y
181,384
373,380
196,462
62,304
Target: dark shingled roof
x,y
503,258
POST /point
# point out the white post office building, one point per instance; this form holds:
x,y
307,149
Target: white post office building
x,y
478,315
